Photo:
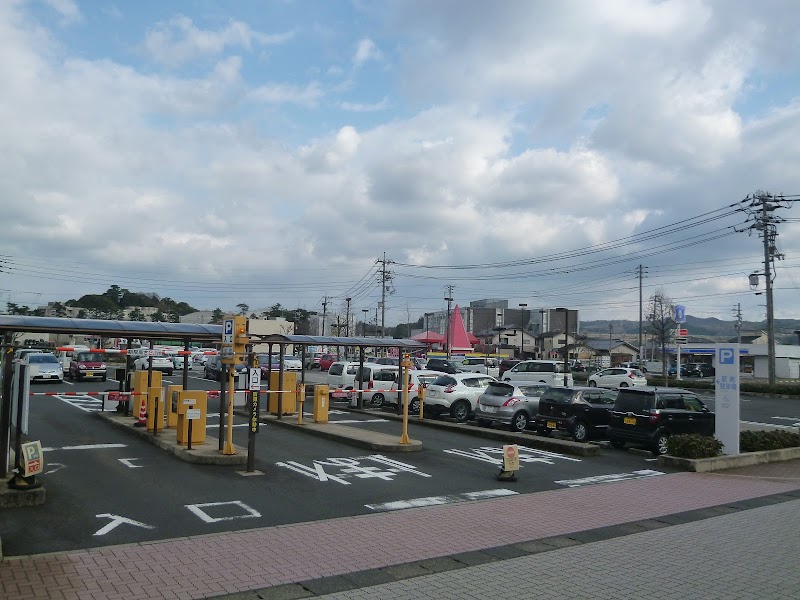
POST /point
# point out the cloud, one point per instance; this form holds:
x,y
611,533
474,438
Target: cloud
x,y
366,50
365,107
178,40
281,93
68,9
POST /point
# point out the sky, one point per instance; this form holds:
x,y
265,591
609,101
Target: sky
x,y
265,152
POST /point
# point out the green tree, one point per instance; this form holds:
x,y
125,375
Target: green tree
x,y
16,309
243,308
661,322
216,317
136,315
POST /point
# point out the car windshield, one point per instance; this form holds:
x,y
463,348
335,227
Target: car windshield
x,y
290,357
557,396
42,358
90,357
444,380
499,389
533,390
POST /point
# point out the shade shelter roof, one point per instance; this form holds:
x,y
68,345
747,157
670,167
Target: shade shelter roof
x,y
324,340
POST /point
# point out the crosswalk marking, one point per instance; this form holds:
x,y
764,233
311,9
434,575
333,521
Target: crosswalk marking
x,y
87,403
438,500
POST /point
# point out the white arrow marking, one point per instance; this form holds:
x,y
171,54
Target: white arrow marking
x,y
116,520
127,463
58,466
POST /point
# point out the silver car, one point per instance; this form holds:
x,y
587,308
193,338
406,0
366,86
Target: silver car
x,y
513,403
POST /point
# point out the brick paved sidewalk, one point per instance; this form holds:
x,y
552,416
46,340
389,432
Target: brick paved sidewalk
x,y
258,558
749,554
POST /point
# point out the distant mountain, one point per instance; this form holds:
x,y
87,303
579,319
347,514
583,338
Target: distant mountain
x,y
710,327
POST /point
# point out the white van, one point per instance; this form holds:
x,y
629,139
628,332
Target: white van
x,y
550,372
65,356
376,381
341,376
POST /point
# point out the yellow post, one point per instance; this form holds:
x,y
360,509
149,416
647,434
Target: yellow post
x,y
301,397
406,363
422,390
228,447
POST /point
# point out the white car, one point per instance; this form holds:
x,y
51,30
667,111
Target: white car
x,y
177,361
292,363
43,366
618,377
549,372
160,363
480,364
417,378
456,393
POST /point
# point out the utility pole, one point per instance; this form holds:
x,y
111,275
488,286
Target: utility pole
x,y
324,312
760,209
641,271
347,318
449,299
385,278
737,312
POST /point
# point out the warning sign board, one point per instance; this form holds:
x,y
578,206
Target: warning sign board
x,y
32,460
511,458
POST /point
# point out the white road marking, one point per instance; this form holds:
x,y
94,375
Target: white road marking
x,y
116,520
494,455
197,509
217,425
770,425
796,419
86,447
357,421
609,478
352,468
128,462
58,466
438,500
87,403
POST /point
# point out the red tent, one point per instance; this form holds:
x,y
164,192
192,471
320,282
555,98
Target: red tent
x,y
472,339
428,337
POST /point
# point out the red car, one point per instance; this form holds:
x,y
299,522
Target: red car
x,y
326,361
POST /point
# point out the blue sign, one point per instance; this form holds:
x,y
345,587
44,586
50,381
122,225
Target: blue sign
x,y
228,327
727,356
680,313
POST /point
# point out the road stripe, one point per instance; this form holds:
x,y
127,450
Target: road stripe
x,y
613,477
438,500
769,425
356,421
86,447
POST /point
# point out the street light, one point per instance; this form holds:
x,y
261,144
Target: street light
x,y
566,340
364,326
522,329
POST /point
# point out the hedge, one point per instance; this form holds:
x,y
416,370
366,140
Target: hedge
x,y
756,441
694,445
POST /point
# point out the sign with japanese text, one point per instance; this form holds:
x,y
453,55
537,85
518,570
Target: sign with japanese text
x,y
32,460
726,397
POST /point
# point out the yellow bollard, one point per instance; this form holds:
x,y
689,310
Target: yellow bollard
x,y
406,363
228,448
422,390
301,397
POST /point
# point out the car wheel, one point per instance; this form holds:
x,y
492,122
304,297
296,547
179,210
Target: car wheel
x,y
579,432
103,378
592,383
169,373
413,406
660,446
519,422
623,385
460,411
484,422
378,399
616,443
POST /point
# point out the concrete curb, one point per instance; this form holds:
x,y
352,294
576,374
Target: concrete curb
x,y
18,498
718,463
523,439
204,454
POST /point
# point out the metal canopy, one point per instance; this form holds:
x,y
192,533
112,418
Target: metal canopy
x,y
129,329
320,340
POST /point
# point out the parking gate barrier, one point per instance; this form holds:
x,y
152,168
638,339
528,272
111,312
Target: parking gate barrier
x,y
321,403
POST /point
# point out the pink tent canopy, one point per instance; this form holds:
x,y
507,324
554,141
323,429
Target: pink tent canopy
x,y
472,339
458,333
428,337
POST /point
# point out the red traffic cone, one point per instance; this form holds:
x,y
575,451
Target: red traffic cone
x,y
142,422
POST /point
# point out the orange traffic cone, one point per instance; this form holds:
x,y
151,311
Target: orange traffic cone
x,y
142,422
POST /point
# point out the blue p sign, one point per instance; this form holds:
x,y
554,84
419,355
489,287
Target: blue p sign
x,y
680,313
228,327
726,356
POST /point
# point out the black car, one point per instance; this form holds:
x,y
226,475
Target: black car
x,y
213,369
583,412
649,415
699,370
443,365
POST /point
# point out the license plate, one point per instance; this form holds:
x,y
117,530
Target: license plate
x,y
552,425
489,409
88,374
629,421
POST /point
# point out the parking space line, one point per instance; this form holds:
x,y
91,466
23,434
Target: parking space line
x,y
439,500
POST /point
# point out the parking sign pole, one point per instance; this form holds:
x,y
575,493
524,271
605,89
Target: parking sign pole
x,y
253,387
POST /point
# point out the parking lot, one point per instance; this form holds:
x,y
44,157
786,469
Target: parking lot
x,y
105,486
